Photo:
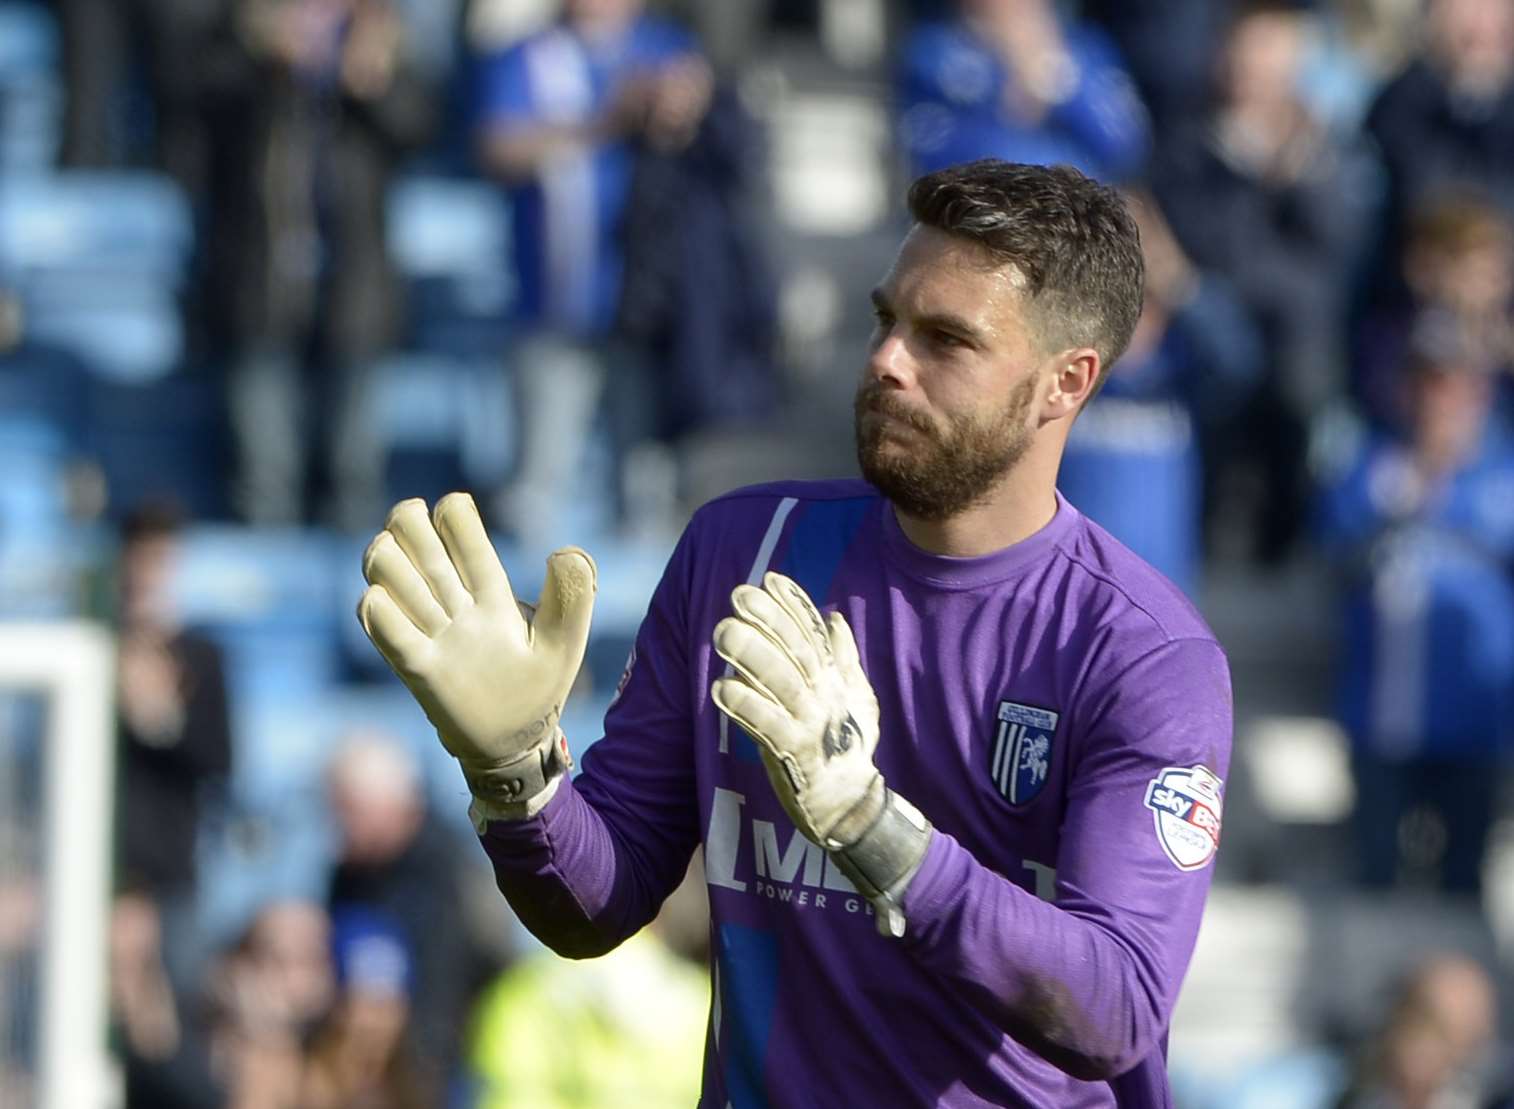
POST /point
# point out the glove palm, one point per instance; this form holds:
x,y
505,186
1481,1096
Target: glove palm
x,y
490,673
802,695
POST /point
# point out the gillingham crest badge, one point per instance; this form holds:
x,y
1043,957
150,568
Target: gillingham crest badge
x,y
1020,757
1185,803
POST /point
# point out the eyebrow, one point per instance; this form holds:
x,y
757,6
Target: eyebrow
x,y
943,321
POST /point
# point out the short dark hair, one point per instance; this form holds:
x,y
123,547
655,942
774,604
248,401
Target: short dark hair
x,y
157,517
1073,240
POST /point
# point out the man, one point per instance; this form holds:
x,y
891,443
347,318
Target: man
x,y
561,115
397,862
1420,526
1013,79
315,105
174,740
1008,733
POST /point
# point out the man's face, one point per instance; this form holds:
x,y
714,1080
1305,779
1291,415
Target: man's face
x,y
593,15
1475,38
947,404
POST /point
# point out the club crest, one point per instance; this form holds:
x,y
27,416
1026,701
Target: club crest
x,y
1186,803
1020,757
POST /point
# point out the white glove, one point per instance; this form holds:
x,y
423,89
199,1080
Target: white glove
x,y
801,693
491,674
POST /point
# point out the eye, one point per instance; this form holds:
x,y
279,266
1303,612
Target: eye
x,y
947,340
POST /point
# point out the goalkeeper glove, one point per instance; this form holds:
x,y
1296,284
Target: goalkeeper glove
x,y
491,673
800,692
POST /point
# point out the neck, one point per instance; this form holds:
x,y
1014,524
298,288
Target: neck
x,y
1021,504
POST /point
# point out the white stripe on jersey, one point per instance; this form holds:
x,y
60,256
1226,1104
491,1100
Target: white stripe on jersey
x,y
759,566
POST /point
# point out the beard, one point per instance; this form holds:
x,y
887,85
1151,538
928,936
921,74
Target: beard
x,y
938,471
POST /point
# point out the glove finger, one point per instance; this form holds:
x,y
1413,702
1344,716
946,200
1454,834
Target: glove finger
x,y
403,645
566,605
386,565
763,663
762,717
762,611
412,529
796,602
844,644
457,522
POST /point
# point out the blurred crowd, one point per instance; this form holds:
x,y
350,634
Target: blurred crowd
x,y
268,265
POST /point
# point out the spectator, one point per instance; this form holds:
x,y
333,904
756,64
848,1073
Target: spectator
x,y
560,115
320,103
1456,264
1134,458
1431,1052
173,734
359,1054
624,1029
1448,119
165,1058
690,240
267,993
1422,528
1010,79
1261,193
397,862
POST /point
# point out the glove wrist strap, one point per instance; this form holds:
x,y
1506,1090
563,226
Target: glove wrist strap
x,y
520,787
881,862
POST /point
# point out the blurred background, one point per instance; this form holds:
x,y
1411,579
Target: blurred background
x,y
267,266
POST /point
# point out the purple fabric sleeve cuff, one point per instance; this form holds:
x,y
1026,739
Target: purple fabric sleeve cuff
x,y
942,874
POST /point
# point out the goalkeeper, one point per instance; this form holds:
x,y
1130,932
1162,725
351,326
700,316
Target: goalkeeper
x,y
955,756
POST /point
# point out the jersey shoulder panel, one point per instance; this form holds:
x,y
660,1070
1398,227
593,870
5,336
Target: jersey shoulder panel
x,y
1138,597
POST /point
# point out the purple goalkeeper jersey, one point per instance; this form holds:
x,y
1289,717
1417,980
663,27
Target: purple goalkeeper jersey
x,y
1059,712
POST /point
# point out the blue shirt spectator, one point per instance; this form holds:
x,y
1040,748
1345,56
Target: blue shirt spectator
x,y
1429,635
1007,79
1423,527
1134,458
584,87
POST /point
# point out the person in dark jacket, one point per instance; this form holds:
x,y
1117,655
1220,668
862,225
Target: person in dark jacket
x,y
174,734
315,103
397,861
1448,119
1263,194
690,240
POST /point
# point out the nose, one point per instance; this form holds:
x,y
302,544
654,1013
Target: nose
x,y
890,362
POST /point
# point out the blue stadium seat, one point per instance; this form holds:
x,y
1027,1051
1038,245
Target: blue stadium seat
x,y
450,237
28,40
98,260
39,557
43,388
31,97
444,226
270,600
42,437
160,438
134,226
133,343
445,422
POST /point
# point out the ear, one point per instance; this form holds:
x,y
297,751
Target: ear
x,y
1074,375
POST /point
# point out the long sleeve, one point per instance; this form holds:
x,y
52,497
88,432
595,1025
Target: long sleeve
x,y
596,864
1088,980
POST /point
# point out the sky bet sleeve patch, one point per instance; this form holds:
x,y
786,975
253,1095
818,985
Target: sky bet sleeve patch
x,y
1185,804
